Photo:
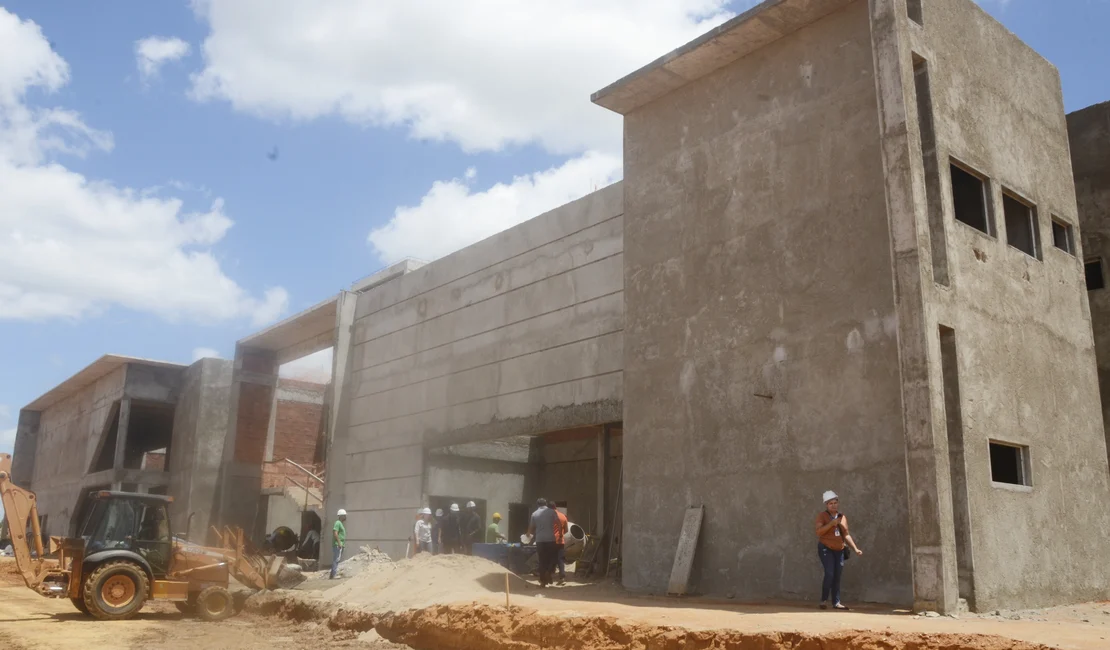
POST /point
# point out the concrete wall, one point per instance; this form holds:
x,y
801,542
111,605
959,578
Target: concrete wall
x,y
516,335
1089,135
1026,362
68,435
499,483
199,433
760,350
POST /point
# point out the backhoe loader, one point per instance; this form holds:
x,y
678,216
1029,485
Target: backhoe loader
x,y
125,555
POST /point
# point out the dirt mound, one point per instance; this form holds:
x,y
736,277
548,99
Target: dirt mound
x,y
479,627
423,581
9,573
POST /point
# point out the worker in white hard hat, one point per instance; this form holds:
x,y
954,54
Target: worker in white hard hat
x,y
437,527
450,535
338,541
471,523
424,531
832,538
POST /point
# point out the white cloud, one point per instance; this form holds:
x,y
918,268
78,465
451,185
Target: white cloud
x,y
206,353
315,367
482,73
72,246
152,52
451,216
7,442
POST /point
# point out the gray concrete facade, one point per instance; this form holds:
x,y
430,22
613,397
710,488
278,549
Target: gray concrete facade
x,y
803,311
519,334
1089,134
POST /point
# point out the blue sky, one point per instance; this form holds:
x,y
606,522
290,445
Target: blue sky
x,y
149,220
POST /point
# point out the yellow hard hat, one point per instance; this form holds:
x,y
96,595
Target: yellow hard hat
x,y
497,515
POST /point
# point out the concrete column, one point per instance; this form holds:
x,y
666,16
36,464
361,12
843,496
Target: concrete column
x,y
932,532
121,439
335,477
604,439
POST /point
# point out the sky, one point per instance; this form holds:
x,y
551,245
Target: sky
x,y
176,175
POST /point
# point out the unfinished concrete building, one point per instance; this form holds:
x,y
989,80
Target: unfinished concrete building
x,y
834,263
1089,132
137,425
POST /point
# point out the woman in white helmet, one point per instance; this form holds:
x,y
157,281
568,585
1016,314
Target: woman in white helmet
x,y
832,536
424,531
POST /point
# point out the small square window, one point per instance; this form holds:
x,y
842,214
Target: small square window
x,y
1063,236
969,199
1010,464
1021,225
913,10
1093,270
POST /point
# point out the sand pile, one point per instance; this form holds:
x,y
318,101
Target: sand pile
x,y
423,581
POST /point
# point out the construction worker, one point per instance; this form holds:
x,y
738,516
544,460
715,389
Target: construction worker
x,y
493,533
424,531
450,535
560,542
437,526
542,529
338,541
471,528
832,537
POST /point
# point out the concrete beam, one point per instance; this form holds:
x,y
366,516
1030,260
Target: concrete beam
x,y
121,432
604,441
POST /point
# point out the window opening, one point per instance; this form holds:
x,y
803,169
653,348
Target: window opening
x,y
1009,464
969,199
1063,236
1095,278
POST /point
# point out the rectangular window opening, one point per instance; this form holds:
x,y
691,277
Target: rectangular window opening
x,y
934,205
1021,225
914,9
970,199
1009,464
1095,278
1063,236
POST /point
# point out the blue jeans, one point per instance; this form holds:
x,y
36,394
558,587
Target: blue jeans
x,y
833,562
562,564
336,555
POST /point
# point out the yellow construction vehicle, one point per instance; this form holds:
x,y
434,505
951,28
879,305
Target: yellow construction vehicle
x,y
126,556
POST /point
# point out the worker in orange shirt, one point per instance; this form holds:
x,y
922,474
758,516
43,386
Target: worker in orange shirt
x,y
560,541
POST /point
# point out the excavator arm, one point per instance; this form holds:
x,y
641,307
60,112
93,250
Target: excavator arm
x,y
19,504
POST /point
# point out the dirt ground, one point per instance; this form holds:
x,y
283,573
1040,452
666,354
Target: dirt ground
x,y
342,614
30,622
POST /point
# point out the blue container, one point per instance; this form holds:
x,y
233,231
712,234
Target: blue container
x,y
498,553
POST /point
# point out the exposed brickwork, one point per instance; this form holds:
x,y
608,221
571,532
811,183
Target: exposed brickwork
x,y
297,431
252,422
273,474
154,460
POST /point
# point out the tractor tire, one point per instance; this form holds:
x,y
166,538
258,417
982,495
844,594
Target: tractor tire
x,y
116,590
79,603
215,604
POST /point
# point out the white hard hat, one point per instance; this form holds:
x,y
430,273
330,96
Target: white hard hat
x,y
454,507
341,513
425,511
829,496
439,512
469,504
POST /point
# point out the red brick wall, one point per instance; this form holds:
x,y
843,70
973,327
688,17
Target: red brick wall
x,y
297,431
273,474
153,460
252,422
